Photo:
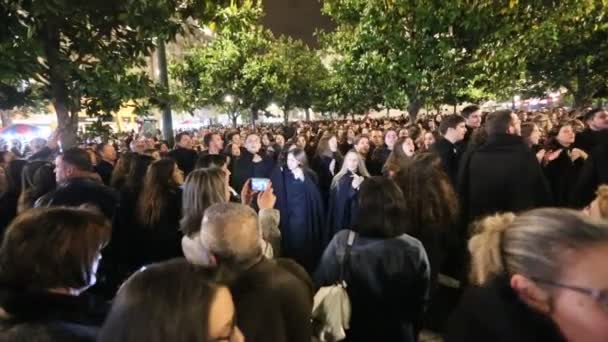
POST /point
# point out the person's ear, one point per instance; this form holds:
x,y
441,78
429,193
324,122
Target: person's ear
x,y
531,294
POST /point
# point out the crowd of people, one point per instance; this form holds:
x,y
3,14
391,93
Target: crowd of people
x,y
475,226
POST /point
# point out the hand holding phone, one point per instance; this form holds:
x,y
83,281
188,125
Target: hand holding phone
x,y
259,184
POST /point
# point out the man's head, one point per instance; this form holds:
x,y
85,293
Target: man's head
x,y
230,233
37,144
472,115
376,138
214,141
107,152
503,122
183,140
453,128
138,145
597,119
73,163
362,145
235,138
253,143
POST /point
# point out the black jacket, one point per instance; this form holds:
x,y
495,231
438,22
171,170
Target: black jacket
x,y
387,283
320,165
495,313
588,139
593,173
46,317
379,157
273,302
450,157
562,174
185,159
245,168
104,169
78,191
501,175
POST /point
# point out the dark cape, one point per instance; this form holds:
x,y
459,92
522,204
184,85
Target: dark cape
x,y
378,159
450,157
245,168
47,317
8,209
562,174
185,159
302,217
593,173
495,313
501,175
343,207
320,165
104,169
589,139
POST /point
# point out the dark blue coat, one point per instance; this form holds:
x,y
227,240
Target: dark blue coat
x,y
302,217
343,206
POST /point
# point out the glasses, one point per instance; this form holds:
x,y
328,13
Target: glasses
x,y
600,296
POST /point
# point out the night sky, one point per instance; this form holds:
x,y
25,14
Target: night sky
x,y
296,18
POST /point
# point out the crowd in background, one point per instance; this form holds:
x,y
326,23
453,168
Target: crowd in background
x,y
450,223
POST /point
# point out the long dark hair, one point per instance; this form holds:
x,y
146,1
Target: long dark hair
x,y
119,174
169,301
430,199
154,196
13,176
381,211
38,178
137,171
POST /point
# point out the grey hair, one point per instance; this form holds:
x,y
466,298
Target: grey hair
x,y
532,244
231,232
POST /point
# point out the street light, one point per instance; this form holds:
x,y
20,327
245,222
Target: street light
x,y
228,99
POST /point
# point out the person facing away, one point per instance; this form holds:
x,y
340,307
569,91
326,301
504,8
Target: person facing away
x,y
195,306
387,273
49,259
273,298
502,174
183,153
453,130
526,291
78,184
343,200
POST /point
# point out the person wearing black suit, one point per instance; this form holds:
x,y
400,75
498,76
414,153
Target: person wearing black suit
x,y
452,130
183,154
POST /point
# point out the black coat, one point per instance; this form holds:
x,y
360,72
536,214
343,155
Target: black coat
x,y
562,174
588,139
185,159
343,207
273,302
387,283
104,169
379,157
320,165
495,313
46,317
245,168
78,191
450,157
8,209
501,175
302,222
593,173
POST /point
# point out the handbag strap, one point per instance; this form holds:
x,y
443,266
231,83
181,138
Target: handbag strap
x,y
346,257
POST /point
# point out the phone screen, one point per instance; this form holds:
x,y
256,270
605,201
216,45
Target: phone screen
x,y
259,184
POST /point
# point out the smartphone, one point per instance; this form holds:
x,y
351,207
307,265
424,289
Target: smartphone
x,y
259,184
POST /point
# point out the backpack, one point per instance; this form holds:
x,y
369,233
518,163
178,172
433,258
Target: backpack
x,y
331,309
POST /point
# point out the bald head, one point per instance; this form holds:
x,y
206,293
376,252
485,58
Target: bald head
x,y
231,233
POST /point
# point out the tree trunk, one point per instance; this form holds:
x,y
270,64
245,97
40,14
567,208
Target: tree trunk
x,y
413,108
163,79
388,112
582,100
307,114
66,124
352,115
234,117
286,116
6,118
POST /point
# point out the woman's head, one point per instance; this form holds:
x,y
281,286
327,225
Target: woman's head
x,y
562,135
599,207
353,163
53,249
172,301
555,261
119,174
380,209
531,133
428,140
203,188
137,172
328,145
38,178
162,178
430,199
400,156
296,158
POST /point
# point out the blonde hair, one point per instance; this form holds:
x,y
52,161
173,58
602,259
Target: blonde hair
x,y
532,244
202,189
361,169
602,200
